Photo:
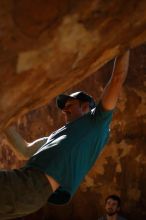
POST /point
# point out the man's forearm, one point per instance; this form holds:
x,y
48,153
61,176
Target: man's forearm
x,y
22,149
18,144
112,90
120,69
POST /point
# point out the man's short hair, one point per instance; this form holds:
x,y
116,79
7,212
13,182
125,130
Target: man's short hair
x,y
114,197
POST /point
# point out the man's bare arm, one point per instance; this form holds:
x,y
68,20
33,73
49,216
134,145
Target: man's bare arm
x,y
21,148
112,90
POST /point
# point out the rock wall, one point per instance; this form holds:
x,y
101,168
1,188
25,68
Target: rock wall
x,y
48,46
120,169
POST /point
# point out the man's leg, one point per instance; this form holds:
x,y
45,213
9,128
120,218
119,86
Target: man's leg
x,y
23,191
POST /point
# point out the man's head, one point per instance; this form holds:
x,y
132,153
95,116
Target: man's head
x,y
112,205
75,105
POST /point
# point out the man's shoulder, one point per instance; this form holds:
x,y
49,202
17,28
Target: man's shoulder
x,y
102,218
121,218
100,113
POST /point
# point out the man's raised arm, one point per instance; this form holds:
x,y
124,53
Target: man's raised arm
x,y
112,90
21,148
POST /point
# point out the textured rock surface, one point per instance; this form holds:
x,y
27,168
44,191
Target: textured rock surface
x,y
48,46
121,167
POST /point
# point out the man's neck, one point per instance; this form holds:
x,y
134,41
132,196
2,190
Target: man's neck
x,y
112,217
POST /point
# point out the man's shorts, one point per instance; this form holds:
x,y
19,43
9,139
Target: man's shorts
x,y
22,191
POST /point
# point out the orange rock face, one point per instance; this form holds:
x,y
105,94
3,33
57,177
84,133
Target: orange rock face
x,y
121,168
48,47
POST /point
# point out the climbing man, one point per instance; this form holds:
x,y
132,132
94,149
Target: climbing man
x,y
57,164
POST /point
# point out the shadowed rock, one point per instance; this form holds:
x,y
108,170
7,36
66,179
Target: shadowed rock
x,y
49,46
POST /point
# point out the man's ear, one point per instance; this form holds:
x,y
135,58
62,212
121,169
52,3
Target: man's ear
x,y
85,107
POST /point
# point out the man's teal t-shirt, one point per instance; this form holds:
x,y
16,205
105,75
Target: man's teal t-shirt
x,y
71,151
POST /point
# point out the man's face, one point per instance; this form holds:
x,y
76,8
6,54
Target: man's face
x,y
111,207
73,110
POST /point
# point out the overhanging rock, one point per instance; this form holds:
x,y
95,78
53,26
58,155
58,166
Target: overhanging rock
x,y
49,46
